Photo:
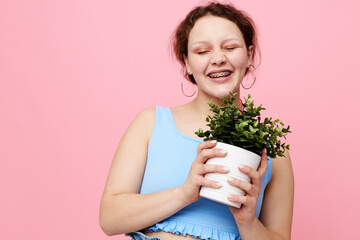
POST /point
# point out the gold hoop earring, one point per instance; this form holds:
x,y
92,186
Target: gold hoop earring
x,y
253,73
182,89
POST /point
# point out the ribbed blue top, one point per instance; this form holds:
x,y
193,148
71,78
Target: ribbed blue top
x,y
170,154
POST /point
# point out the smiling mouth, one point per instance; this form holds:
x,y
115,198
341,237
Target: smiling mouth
x,y
220,74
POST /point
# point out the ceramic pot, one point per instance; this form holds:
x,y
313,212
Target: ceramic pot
x,y
234,157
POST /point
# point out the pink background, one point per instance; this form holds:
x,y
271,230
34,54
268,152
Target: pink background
x,y
73,74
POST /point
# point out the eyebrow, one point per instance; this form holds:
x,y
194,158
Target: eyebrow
x,y
226,40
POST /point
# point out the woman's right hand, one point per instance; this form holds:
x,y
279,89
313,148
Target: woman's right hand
x,y
191,188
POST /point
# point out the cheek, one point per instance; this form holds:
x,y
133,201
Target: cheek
x,y
198,65
239,61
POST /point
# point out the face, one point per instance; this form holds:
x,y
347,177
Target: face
x,y
217,56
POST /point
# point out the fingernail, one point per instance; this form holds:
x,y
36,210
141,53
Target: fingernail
x,y
223,151
231,179
219,184
225,169
265,151
213,141
230,196
241,166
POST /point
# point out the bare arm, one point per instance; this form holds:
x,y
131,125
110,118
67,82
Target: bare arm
x,y
277,209
276,214
122,209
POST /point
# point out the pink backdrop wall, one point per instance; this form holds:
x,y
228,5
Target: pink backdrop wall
x,y
73,74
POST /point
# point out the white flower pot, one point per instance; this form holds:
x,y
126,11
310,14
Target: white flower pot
x,y
234,157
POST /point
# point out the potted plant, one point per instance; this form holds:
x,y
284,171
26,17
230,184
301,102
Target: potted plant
x,y
243,134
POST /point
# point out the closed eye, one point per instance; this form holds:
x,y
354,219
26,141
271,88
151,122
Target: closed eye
x,y
202,52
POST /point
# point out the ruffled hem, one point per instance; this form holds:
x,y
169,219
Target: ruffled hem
x,y
195,230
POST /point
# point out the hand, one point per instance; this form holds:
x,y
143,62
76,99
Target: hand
x,y
191,188
246,214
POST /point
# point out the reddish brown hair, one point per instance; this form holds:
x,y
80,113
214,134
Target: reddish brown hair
x,y
227,11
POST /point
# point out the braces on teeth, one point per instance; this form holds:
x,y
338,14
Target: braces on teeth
x,y
221,74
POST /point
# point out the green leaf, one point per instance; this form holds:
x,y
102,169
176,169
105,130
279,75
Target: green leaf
x,y
244,128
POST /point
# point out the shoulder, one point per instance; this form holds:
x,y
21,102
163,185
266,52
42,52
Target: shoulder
x,y
145,117
142,124
282,167
282,178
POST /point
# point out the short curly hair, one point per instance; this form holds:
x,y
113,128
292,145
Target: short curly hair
x,y
240,18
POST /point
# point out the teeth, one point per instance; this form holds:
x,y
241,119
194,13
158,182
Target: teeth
x,y
219,74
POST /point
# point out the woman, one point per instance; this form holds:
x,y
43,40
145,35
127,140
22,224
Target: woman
x,y
161,158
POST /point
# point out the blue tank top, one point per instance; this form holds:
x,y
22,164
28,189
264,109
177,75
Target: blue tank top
x,y
170,154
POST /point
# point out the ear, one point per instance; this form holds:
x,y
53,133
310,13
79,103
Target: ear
x,y
188,69
250,53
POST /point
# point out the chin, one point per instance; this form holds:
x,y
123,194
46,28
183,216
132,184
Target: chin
x,y
219,95
225,92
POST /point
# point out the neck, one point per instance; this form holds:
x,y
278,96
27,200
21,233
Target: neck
x,y
201,100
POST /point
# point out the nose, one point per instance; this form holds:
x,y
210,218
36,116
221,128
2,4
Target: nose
x,y
218,58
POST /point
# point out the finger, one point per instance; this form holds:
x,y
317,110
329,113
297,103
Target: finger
x,y
246,201
210,183
249,188
209,168
263,163
205,154
251,173
206,145
238,199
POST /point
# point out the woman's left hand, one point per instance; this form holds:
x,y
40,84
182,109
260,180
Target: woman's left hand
x,y
246,214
